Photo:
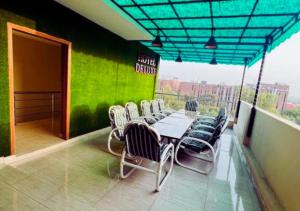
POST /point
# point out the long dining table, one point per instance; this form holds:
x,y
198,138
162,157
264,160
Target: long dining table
x,y
176,124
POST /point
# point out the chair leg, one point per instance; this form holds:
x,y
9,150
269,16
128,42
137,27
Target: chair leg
x,y
192,168
159,182
110,137
206,157
123,163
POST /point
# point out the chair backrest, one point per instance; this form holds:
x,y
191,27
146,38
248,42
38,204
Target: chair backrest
x,y
216,134
161,104
145,107
142,140
191,105
117,116
221,115
154,106
132,111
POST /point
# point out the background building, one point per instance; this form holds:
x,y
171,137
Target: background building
x,y
220,94
280,91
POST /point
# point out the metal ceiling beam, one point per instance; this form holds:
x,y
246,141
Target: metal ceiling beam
x,y
248,21
276,34
224,49
221,16
144,14
176,2
181,23
208,53
215,28
219,43
224,37
220,57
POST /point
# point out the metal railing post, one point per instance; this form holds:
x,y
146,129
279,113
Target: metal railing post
x,y
253,110
241,89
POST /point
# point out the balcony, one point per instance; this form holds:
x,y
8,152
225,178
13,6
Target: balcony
x,y
96,54
84,176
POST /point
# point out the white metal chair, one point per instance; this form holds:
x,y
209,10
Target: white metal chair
x,y
132,113
162,108
211,120
204,146
192,105
209,123
146,110
118,120
154,106
144,142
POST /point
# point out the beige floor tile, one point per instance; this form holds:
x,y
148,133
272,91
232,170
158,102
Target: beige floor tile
x,y
35,135
84,176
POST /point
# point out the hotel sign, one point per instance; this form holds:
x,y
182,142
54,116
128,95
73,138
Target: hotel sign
x,y
146,64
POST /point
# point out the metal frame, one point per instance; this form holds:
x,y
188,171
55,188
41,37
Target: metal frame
x,y
137,165
241,90
162,109
145,113
208,155
167,154
276,31
155,109
253,109
113,132
142,118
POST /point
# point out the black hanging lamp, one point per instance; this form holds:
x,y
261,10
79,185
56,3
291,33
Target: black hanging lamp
x,y
178,57
214,60
157,41
211,43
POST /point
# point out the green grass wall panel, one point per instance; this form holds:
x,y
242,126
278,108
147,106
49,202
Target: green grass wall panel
x,y
102,72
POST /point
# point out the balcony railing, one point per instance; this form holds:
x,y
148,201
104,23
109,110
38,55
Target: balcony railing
x,y
31,106
207,105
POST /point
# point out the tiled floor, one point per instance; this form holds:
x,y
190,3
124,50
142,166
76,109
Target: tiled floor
x,y
84,177
35,135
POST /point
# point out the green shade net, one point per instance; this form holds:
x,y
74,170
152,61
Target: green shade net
x,y
240,27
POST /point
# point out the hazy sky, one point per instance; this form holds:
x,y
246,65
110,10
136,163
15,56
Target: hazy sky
x,y
282,65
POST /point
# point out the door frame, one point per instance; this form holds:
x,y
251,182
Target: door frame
x,y
66,79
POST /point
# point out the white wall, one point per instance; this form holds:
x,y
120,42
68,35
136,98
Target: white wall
x,y
275,144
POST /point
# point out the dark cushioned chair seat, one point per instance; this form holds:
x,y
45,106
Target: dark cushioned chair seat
x,y
194,145
204,127
201,134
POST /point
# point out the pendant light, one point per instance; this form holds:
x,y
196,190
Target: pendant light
x,y
178,57
157,41
214,60
211,43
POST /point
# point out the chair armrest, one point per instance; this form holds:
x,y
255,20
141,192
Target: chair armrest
x,y
203,126
201,131
166,150
186,139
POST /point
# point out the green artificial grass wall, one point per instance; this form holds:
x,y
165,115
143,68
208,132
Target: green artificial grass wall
x,y
102,71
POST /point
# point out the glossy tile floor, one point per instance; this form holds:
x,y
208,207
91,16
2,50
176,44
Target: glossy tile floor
x,y
35,135
85,177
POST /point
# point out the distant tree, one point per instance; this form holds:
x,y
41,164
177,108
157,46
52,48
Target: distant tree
x,y
267,101
293,115
248,95
168,89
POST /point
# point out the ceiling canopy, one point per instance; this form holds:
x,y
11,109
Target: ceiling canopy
x,y
240,27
